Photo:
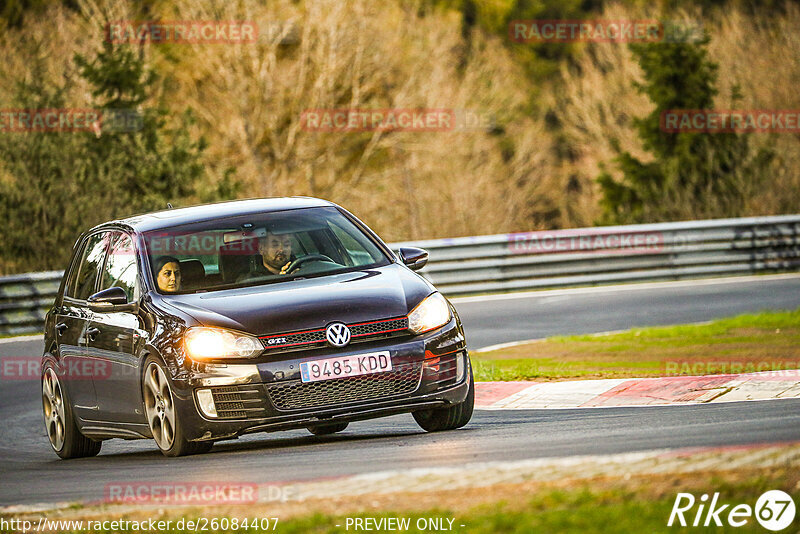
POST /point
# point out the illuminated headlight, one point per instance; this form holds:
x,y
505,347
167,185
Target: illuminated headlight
x,y
431,313
203,343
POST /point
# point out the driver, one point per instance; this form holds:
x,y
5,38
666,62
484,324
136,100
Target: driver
x,y
276,253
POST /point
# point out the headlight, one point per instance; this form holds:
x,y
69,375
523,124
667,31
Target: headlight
x,y
203,343
431,313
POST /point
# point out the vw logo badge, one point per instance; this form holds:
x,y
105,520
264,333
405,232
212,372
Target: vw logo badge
x,y
338,334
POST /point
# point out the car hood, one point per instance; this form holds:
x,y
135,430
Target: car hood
x,y
365,295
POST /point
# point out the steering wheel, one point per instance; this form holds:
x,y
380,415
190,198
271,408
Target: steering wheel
x,y
300,261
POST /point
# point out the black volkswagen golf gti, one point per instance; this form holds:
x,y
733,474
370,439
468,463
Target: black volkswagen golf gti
x,y
200,324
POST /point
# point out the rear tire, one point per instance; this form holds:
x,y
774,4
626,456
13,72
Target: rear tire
x,y
62,431
326,429
448,418
162,417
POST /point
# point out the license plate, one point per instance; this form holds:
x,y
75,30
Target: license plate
x,y
342,366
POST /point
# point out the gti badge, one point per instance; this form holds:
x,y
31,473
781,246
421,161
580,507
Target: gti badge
x,y
338,334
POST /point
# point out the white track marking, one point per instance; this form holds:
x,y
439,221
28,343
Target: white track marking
x,y
633,286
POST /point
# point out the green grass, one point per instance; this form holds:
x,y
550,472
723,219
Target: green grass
x,y
746,343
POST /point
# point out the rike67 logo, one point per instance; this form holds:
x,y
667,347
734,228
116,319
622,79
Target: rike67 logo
x,y
774,510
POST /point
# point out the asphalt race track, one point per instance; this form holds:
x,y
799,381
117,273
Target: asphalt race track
x,y
37,475
31,473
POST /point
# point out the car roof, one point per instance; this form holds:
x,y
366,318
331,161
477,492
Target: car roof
x,y
177,216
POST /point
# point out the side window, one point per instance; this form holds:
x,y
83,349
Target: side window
x,y
69,287
354,249
120,269
89,266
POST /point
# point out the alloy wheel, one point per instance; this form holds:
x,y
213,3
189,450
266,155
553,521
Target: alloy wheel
x,y
159,406
53,401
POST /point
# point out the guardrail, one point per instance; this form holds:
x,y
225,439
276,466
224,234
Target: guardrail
x,y
539,260
612,254
24,300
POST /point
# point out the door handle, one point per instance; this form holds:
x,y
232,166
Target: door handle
x,y
92,333
61,328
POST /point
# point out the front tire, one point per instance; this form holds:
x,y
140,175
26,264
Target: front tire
x,y
448,418
62,431
162,416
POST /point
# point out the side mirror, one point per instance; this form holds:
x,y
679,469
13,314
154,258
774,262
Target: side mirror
x,y
111,299
414,258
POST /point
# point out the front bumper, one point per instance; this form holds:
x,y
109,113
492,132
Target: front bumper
x,y
432,370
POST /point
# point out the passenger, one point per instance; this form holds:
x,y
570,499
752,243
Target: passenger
x,y
168,277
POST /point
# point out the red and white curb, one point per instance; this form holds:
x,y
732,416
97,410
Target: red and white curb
x,y
676,390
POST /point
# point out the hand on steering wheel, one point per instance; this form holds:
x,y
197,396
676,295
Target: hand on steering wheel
x,y
289,267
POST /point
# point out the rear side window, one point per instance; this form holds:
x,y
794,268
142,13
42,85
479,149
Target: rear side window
x,y
89,266
120,269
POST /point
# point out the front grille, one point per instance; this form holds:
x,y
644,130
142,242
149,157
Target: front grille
x,y
379,327
308,339
296,395
286,341
240,402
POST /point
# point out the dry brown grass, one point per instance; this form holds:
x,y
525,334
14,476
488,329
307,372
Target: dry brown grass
x,y
361,54
762,56
598,99
357,54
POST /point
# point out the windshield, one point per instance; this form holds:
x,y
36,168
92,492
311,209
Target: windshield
x,y
258,249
